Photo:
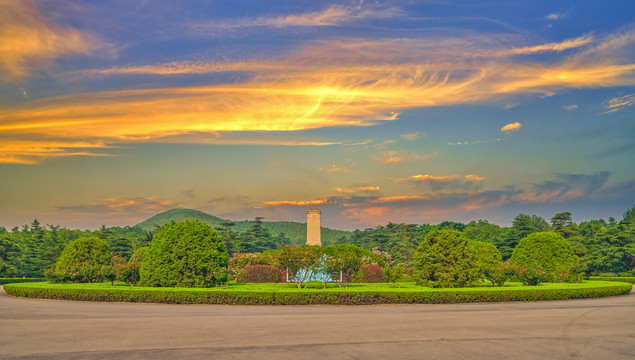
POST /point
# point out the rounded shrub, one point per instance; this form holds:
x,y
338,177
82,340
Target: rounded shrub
x,y
138,256
489,260
371,273
85,252
445,259
550,253
187,254
259,274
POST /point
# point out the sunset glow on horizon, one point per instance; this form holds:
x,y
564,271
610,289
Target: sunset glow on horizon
x,y
372,112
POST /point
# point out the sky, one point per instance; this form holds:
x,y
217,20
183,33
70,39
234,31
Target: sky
x,y
371,111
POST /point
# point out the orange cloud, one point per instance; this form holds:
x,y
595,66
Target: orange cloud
x,y
329,84
368,188
119,205
401,198
427,177
29,42
474,178
293,203
344,191
512,127
619,102
560,46
334,169
394,157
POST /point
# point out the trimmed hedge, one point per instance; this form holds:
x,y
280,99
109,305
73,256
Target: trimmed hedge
x,y
19,280
627,279
334,296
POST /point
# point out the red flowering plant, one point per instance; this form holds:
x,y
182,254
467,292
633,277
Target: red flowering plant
x,y
129,273
499,275
531,274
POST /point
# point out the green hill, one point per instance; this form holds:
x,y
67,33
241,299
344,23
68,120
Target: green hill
x,y
293,230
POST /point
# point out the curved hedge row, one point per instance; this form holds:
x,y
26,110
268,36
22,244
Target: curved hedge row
x,y
326,296
628,279
19,280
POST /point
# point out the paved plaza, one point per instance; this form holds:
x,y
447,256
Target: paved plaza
x,y
577,329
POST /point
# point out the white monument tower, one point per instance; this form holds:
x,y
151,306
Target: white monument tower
x,y
313,227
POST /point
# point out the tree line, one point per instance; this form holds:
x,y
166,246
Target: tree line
x,y
604,247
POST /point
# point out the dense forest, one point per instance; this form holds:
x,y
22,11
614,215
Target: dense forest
x,y
604,247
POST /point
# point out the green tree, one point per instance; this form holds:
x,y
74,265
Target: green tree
x,y
522,226
482,231
445,259
549,251
629,216
230,237
256,239
139,255
187,253
487,257
562,224
120,246
344,261
84,252
8,254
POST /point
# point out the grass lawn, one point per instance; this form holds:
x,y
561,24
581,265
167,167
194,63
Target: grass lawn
x,y
289,294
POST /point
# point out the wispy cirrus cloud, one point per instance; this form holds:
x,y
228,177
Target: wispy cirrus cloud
x,y
327,84
331,169
334,15
293,203
549,47
437,183
399,156
119,205
566,186
30,43
619,102
410,136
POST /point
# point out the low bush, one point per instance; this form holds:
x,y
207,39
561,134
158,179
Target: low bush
x,y
239,261
628,279
259,274
19,280
370,274
405,278
288,294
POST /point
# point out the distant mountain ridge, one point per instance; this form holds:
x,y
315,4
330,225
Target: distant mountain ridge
x,y
293,230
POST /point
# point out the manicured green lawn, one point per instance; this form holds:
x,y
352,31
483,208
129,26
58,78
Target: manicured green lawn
x,y
289,294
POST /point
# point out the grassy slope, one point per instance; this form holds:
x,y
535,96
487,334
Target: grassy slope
x,y
293,230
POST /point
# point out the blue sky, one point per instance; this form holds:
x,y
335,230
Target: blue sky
x,y
371,111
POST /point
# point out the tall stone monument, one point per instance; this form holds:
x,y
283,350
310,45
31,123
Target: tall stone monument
x,y
313,228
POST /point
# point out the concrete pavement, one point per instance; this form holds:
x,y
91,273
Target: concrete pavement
x,y
578,329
